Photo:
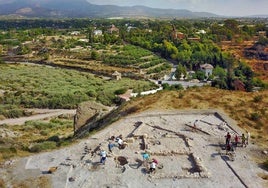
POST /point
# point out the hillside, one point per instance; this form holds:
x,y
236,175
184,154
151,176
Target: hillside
x,y
254,55
248,109
82,9
157,124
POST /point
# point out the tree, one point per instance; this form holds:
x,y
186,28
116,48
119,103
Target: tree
x,y
181,70
244,72
232,25
90,35
219,72
94,55
184,56
200,75
1,50
220,78
170,50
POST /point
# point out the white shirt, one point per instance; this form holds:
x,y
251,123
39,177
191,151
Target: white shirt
x,y
120,141
103,153
153,165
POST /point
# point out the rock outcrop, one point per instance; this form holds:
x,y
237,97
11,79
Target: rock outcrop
x,y
88,112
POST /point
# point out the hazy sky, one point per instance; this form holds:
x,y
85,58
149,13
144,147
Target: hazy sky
x,y
221,7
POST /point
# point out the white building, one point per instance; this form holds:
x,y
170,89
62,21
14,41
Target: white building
x,y
75,33
97,32
207,68
201,32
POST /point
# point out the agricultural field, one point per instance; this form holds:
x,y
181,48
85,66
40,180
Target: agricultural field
x,y
31,86
129,60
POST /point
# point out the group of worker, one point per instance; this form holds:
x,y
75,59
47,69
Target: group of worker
x,y
230,146
118,142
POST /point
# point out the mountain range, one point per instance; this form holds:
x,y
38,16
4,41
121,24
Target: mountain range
x,y
84,9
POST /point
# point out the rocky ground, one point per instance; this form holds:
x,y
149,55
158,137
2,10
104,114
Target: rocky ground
x,y
189,146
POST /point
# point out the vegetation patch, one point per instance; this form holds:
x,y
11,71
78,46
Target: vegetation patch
x,y
44,146
37,136
6,153
265,165
43,87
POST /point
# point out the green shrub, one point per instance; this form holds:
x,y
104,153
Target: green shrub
x,y
181,95
64,143
165,86
8,153
177,87
54,138
39,125
106,98
255,116
57,121
11,111
120,91
265,164
47,145
258,98
91,93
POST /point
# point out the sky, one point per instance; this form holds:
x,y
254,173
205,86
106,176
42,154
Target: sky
x,y
220,7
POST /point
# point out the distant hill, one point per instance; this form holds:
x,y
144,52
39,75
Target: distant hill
x,y
259,16
82,8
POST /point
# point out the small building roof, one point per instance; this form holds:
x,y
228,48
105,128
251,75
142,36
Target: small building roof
x,y
116,73
206,66
113,29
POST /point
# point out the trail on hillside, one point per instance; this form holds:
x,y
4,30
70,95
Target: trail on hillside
x,y
40,114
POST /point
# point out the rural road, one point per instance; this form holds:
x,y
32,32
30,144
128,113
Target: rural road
x,y
40,114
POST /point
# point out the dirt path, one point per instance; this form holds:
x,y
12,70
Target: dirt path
x,y
41,114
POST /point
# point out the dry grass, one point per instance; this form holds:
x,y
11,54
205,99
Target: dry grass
x,y
237,50
263,176
58,130
249,113
2,183
41,181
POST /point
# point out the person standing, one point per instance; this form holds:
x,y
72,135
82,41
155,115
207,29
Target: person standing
x,y
228,138
103,157
248,137
110,146
243,140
